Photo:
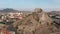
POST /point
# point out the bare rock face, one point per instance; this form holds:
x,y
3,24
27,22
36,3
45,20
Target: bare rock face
x,y
36,23
37,13
45,19
38,10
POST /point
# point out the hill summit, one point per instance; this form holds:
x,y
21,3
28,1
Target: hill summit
x,y
38,22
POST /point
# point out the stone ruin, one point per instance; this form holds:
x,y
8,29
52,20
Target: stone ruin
x,y
36,23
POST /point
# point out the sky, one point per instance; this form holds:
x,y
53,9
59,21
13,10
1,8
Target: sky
x,y
30,4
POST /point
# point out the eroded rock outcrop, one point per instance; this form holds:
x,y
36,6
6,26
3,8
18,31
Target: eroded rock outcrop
x,y
36,23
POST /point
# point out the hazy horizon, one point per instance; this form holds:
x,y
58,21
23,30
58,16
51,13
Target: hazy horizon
x,y
30,4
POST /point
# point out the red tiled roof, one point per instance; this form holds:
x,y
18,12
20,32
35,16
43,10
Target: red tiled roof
x,y
5,31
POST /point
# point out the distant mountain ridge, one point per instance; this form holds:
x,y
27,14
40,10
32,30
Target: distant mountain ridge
x,y
8,10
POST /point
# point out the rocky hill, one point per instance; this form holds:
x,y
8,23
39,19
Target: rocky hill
x,y
38,22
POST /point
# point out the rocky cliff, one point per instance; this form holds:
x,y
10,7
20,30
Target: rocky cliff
x,y
38,22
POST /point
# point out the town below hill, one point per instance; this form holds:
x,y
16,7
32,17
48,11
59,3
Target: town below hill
x,y
29,22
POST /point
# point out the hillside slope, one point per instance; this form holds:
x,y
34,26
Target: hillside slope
x,y
36,23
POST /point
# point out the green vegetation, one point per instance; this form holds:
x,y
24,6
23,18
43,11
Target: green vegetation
x,y
2,22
